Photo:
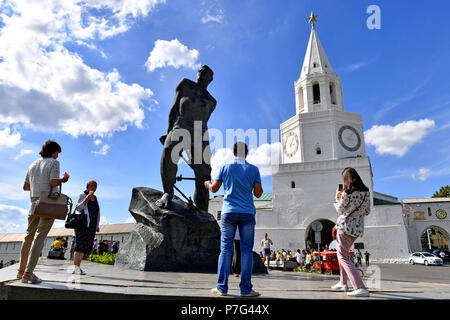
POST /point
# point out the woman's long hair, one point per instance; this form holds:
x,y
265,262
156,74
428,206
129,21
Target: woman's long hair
x,y
352,181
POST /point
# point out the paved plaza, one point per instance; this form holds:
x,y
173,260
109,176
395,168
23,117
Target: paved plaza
x,y
398,281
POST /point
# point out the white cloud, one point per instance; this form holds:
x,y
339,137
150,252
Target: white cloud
x,y
13,191
263,157
8,139
103,220
22,153
39,76
130,220
422,174
220,157
98,142
103,151
397,140
173,54
218,17
357,65
12,219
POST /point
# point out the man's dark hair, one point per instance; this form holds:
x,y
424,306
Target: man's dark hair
x,y
49,148
239,149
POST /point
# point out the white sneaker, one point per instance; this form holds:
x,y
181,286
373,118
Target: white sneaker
x,y
359,293
77,270
340,287
217,292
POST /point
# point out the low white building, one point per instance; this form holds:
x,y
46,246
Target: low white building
x,y
11,243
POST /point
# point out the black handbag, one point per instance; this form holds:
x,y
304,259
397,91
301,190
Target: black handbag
x,y
76,221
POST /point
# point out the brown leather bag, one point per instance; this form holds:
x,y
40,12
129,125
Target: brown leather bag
x,y
53,206
334,230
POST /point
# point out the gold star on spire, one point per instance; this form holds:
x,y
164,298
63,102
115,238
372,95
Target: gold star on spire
x,y
312,19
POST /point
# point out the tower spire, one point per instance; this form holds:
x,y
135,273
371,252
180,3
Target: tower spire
x,y
316,60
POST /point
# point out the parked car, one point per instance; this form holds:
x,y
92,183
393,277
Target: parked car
x,y
425,258
446,252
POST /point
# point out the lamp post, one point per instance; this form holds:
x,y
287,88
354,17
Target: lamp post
x,y
428,235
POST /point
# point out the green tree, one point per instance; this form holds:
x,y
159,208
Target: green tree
x,y
444,192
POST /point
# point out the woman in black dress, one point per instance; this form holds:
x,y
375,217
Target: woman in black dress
x,y
84,238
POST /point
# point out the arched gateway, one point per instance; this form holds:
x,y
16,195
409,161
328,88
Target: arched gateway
x,y
325,235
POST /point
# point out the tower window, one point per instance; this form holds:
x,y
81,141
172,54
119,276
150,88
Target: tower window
x,y
314,65
292,184
316,93
219,215
429,212
318,150
333,93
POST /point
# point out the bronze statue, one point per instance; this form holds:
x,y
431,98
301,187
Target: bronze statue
x,y
189,115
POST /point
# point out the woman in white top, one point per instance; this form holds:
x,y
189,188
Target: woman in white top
x,y
265,245
352,204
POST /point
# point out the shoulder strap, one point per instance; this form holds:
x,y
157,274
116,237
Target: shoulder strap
x,y
357,208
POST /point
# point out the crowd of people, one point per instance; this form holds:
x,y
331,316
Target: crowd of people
x,y
304,257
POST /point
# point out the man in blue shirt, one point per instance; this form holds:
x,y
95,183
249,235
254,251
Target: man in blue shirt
x,y
240,180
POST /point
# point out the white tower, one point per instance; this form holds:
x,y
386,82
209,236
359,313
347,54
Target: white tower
x,y
318,142
321,128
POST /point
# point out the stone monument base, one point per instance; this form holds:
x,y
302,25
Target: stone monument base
x,y
177,239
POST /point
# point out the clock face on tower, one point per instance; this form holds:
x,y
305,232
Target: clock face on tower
x,y
441,214
290,144
349,138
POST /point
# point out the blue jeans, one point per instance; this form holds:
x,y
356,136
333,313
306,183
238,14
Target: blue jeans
x,y
246,224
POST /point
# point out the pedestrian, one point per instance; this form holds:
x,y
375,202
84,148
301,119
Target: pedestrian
x,y
58,244
87,204
42,176
66,243
95,247
102,247
299,258
273,255
352,204
240,180
1,264
236,259
115,247
265,245
308,260
366,256
359,257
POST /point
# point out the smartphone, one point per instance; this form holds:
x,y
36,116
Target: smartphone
x,y
340,187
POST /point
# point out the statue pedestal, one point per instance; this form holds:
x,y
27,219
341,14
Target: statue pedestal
x,y
177,239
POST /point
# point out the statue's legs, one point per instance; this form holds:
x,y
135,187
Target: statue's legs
x,y
202,173
169,164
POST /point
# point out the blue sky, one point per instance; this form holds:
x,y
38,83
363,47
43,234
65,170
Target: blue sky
x,y
99,78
